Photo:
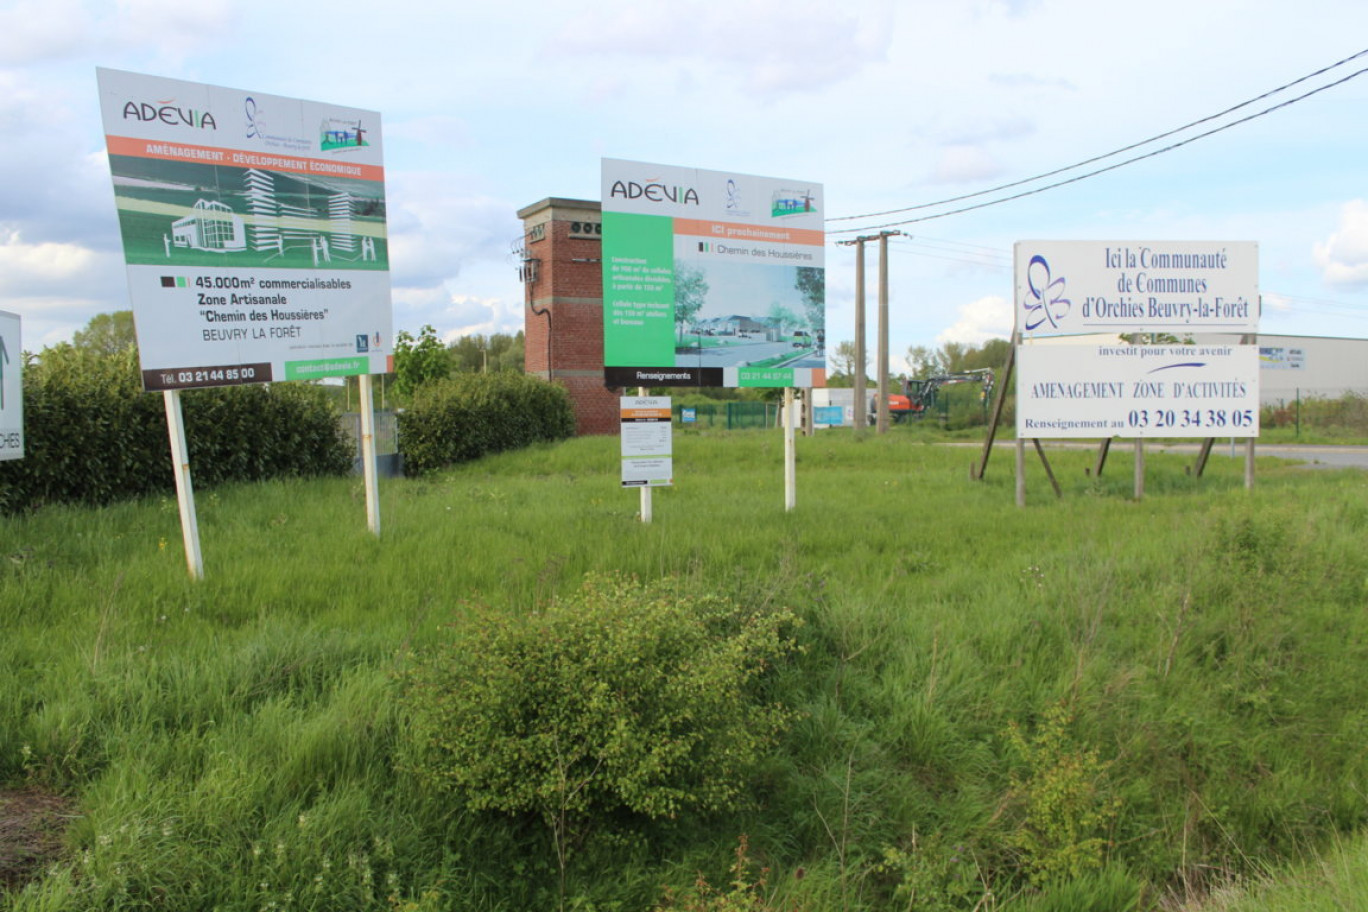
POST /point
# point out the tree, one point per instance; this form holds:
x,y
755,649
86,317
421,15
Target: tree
x,y
477,353
691,291
418,361
107,333
923,362
844,359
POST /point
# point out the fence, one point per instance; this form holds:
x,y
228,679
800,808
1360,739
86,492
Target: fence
x,y
1307,411
389,462
728,415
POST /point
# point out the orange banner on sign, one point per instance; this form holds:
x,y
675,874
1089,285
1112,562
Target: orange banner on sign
x,y
236,158
645,414
733,231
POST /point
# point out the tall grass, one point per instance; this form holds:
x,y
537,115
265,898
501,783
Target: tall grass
x,y
235,743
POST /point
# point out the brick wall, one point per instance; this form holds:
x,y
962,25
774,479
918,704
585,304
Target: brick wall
x,y
563,306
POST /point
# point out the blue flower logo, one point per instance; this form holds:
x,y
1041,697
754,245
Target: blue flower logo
x,y
1047,302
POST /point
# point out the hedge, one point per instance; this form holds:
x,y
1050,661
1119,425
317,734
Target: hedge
x,y
467,416
91,435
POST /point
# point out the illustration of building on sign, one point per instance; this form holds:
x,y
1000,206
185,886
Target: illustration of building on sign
x,y
210,226
275,225
335,134
790,202
263,231
340,209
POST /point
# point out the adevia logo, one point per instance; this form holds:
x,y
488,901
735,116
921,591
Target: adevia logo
x,y
1046,303
169,113
655,191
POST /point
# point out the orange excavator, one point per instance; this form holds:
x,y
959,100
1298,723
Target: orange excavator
x,y
918,396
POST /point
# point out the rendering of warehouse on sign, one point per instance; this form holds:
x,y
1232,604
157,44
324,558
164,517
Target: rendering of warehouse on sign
x,y
1104,385
712,278
254,232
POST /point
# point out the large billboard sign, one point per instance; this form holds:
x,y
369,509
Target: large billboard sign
x,y
1171,287
1116,389
11,388
712,278
254,232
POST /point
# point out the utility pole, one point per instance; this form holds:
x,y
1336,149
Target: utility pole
x,y
882,356
859,366
883,331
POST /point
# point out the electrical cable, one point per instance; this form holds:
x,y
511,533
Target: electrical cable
x,y
1098,158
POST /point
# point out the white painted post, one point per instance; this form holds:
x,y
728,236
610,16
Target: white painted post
x,y
790,453
185,491
368,466
646,488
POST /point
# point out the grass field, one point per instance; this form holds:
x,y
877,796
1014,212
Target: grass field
x,y
1090,703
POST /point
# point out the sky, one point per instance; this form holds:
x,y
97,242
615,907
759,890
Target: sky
x,y
889,105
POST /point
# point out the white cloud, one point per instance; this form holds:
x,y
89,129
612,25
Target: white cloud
x,y
34,30
33,269
442,130
978,321
776,46
437,227
176,29
964,164
1343,257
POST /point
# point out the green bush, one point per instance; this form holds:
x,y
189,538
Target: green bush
x,y
91,435
623,699
467,416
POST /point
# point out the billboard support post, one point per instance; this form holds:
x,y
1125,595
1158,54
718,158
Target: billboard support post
x,y
790,455
368,467
185,490
1139,468
645,489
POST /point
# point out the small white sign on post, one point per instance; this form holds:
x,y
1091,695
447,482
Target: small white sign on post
x,y
647,442
11,388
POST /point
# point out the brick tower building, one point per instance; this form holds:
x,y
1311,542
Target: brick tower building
x,y
562,274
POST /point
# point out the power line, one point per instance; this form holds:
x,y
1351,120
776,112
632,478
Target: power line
x,y
1111,154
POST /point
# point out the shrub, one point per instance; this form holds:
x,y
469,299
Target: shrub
x,y
467,416
625,698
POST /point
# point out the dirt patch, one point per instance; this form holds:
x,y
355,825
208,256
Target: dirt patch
x,y
31,826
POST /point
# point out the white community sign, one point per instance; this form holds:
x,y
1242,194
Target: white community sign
x,y
1100,384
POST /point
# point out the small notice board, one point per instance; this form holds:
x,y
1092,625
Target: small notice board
x,y
647,442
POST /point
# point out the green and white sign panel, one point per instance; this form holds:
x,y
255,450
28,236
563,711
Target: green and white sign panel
x,y
712,278
11,388
254,231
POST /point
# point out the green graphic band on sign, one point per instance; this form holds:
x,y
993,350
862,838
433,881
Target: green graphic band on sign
x,y
639,294
328,367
